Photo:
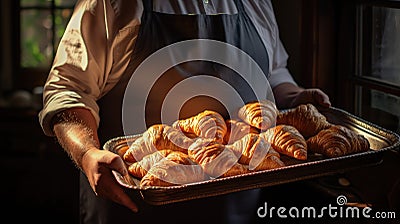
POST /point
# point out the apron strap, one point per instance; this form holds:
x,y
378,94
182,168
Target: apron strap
x,y
239,6
148,5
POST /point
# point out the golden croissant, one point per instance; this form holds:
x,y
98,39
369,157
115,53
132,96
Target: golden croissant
x,y
237,130
207,124
139,169
305,118
121,149
215,159
287,140
256,152
175,169
337,141
260,114
157,137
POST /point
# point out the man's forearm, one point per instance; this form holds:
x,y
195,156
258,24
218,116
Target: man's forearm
x,y
76,131
284,94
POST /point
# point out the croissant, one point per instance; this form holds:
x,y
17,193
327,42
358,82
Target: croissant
x,y
260,114
237,130
207,124
287,140
256,152
175,169
157,137
337,141
121,149
215,159
305,118
140,168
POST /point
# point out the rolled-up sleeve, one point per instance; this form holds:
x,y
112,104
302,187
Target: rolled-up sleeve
x,y
263,16
77,75
279,72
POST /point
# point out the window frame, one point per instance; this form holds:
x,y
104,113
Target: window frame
x,y
363,60
353,81
30,77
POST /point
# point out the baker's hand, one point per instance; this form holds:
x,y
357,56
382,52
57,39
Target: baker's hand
x,y
314,96
288,95
98,166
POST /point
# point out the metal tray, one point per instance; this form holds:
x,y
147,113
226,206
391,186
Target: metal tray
x,y
315,166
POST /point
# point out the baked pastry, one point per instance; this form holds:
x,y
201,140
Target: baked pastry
x,y
255,151
121,149
237,130
157,137
175,169
215,159
139,169
259,114
207,124
337,141
305,118
287,140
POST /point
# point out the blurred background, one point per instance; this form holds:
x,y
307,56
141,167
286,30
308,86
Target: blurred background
x,y
348,48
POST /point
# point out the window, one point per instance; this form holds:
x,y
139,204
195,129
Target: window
x,y
37,28
377,72
369,61
42,23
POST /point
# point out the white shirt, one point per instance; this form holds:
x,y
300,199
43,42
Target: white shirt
x,y
99,40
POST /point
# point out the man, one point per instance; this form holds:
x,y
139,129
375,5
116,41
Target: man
x,y
107,41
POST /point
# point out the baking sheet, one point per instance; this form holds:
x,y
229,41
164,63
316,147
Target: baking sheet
x,y
315,166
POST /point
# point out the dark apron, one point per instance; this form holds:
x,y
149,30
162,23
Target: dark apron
x,y
157,31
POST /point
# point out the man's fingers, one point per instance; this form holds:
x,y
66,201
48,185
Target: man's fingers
x,y
314,96
122,198
118,195
118,165
321,98
112,190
